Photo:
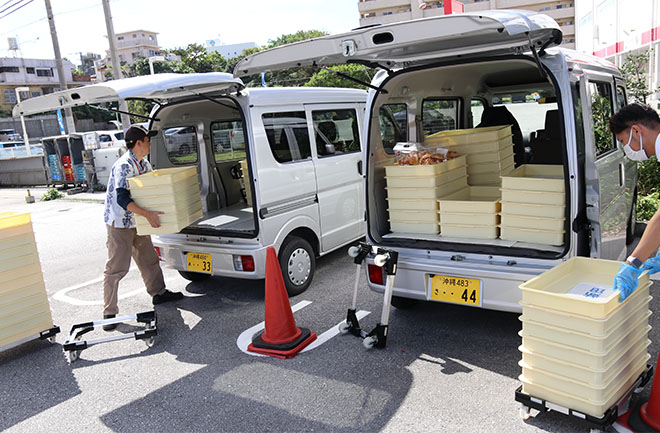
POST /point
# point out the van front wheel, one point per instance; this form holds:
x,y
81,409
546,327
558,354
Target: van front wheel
x,y
298,264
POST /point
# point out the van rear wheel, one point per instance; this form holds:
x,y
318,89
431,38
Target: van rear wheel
x,y
194,276
298,263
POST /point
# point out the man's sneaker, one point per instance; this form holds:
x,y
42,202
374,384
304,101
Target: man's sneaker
x,y
167,296
110,326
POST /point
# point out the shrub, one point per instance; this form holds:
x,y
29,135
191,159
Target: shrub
x,y
647,206
51,194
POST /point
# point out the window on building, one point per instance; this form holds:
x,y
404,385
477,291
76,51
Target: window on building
x,y
29,70
151,37
142,34
135,35
35,94
336,132
135,55
120,38
152,53
121,58
45,72
8,69
10,96
288,136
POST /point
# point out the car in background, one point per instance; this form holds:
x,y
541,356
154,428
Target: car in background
x,y
180,140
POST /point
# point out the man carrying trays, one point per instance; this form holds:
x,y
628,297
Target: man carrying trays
x,y
122,234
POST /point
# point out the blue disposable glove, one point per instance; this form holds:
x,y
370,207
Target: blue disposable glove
x,y
625,281
652,265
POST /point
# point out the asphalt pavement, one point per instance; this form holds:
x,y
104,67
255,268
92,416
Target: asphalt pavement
x,y
446,368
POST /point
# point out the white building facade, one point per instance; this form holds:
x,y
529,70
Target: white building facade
x,y
228,51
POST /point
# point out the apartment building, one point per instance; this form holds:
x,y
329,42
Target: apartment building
x,y
134,45
39,75
389,11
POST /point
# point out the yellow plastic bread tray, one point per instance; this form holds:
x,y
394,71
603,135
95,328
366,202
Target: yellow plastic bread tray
x,y
168,223
637,321
414,227
422,204
426,181
456,137
477,219
21,282
545,237
550,289
496,156
587,325
493,166
246,181
582,391
474,199
584,358
18,230
502,145
419,216
17,241
425,170
187,186
10,294
164,176
28,327
12,219
534,197
493,178
468,231
27,306
435,192
591,377
546,178
170,204
533,210
537,223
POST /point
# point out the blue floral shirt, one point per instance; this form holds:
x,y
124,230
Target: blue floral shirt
x,y
125,167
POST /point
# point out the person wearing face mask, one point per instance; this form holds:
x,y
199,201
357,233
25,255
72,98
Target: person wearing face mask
x,y
637,127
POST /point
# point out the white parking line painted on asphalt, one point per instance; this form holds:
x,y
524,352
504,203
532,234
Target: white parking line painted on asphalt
x,y
61,295
244,340
333,332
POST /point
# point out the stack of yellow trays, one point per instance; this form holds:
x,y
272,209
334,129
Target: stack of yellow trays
x,y
533,204
581,348
472,212
413,191
246,181
24,307
173,191
489,151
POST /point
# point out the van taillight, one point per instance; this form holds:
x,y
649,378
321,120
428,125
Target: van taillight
x,y
160,257
244,263
376,274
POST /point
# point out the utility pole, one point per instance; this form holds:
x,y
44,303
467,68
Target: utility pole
x,y
116,67
68,114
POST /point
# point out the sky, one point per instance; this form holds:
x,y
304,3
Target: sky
x,y
81,27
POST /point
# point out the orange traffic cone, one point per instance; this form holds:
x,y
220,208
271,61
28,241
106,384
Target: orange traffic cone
x,y
281,338
644,416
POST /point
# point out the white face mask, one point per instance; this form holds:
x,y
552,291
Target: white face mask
x,y
635,155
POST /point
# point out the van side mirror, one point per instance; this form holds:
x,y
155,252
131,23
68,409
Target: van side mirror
x,y
330,149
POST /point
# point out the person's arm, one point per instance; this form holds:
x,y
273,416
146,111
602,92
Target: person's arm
x,y
650,239
126,202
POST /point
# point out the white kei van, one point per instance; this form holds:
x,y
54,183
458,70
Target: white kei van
x,y
277,167
483,69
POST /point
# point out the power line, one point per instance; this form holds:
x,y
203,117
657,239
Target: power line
x,y
6,3
15,10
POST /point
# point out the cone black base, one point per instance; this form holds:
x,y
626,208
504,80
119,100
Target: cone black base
x,y
635,421
284,350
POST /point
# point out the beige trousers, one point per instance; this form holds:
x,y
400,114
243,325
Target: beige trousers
x,y
122,244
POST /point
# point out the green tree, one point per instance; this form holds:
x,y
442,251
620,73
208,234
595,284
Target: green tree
x,y
325,78
635,72
197,59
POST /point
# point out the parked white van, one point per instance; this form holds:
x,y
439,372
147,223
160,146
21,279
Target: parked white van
x,y
465,71
277,167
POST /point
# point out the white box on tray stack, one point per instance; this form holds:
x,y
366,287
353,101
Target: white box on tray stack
x,y
533,205
489,151
413,191
472,212
174,191
24,307
581,348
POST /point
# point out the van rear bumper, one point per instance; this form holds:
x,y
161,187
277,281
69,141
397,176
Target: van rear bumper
x,y
174,256
499,284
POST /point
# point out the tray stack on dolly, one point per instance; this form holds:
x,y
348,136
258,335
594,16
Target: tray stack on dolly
x,y
24,308
472,212
245,178
413,192
533,205
489,151
583,352
173,191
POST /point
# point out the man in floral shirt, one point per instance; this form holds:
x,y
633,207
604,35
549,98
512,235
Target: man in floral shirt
x,y
123,240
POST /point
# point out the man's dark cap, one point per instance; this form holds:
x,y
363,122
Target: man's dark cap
x,y
136,133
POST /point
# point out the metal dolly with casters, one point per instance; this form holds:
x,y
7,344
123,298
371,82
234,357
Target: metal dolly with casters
x,y
48,334
386,259
596,425
74,343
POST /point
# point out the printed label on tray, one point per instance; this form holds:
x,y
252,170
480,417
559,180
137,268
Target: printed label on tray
x,y
593,291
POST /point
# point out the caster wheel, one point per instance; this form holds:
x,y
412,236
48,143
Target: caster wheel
x,y
51,340
73,355
353,251
369,342
596,430
525,412
380,260
344,328
150,341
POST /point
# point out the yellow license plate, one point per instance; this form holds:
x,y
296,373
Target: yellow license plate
x,y
456,290
198,262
